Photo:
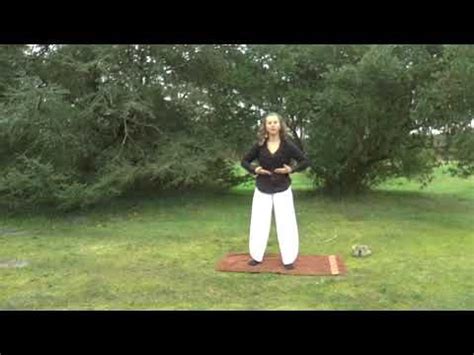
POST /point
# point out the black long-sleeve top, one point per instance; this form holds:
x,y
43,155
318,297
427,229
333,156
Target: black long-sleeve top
x,y
283,155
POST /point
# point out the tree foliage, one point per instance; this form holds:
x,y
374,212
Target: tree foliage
x,y
80,124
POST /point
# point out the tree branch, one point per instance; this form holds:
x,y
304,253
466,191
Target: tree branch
x,y
149,125
125,131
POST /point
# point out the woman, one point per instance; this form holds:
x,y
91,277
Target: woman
x,y
274,153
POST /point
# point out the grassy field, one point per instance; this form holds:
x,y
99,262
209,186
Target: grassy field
x,y
160,252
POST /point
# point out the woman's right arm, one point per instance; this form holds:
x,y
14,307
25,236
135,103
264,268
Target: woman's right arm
x,y
249,157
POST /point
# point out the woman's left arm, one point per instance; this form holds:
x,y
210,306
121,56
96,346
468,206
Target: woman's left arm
x,y
301,158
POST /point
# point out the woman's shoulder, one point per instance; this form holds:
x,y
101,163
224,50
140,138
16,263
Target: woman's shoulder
x,y
290,144
255,146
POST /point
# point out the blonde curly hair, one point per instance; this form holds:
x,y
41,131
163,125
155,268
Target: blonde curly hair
x,y
262,134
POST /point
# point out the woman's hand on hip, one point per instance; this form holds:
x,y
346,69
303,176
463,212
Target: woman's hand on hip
x,y
261,171
285,170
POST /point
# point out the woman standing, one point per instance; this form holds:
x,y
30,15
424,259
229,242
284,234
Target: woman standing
x,y
274,152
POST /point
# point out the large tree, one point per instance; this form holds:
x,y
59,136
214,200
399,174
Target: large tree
x,y
369,123
79,124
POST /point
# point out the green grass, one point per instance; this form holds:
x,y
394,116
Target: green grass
x,y
160,252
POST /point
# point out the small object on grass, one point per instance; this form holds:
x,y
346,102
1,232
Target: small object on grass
x,y
7,231
13,263
360,250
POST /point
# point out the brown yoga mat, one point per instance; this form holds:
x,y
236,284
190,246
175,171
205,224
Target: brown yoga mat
x,y
331,265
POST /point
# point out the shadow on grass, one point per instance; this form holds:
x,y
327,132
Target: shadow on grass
x,y
133,201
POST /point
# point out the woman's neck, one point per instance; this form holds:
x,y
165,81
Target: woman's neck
x,y
273,137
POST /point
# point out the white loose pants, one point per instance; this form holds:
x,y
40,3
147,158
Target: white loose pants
x,y
286,226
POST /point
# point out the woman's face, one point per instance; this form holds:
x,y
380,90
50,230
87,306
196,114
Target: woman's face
x,y
272,125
